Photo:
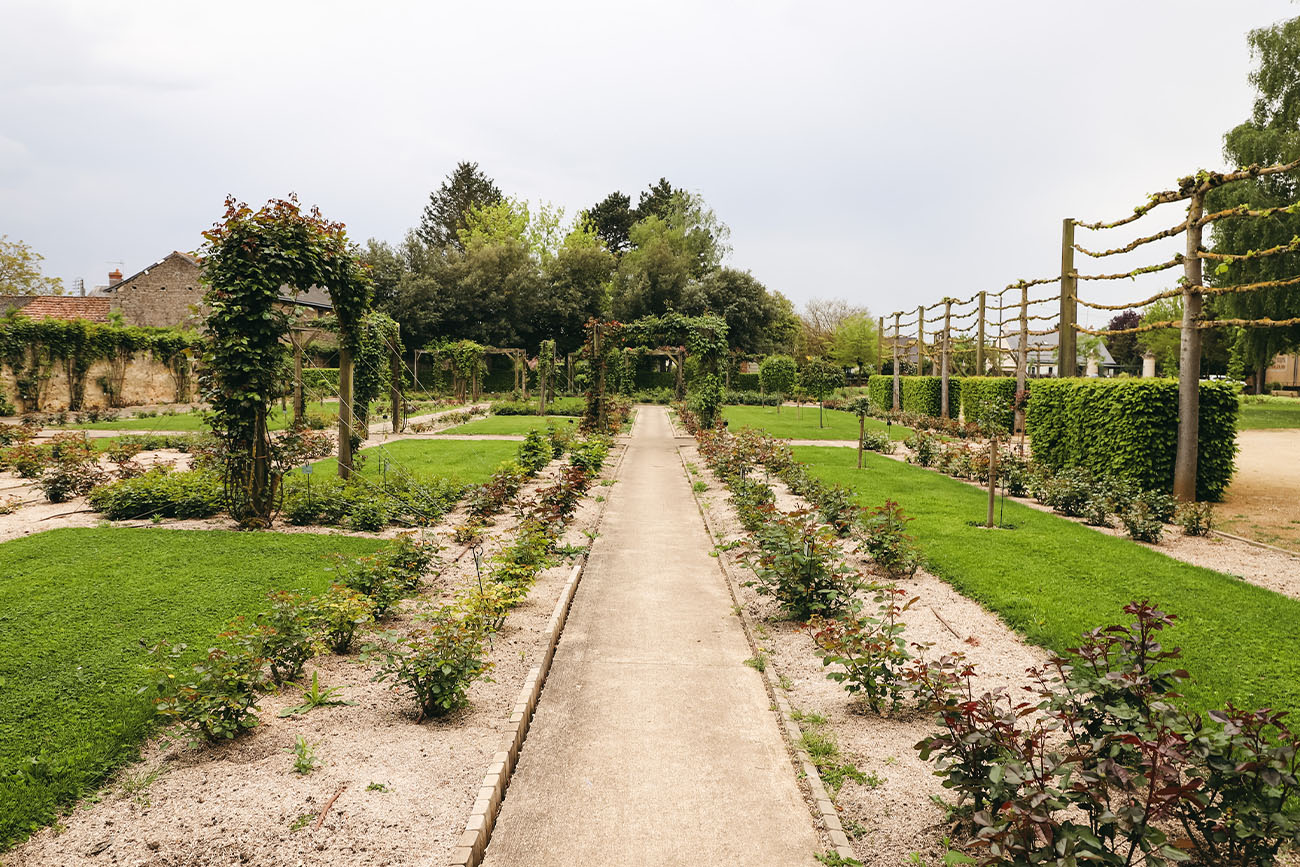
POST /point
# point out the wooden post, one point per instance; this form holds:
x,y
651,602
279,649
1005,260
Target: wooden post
x,y
979,337
395,387
1022,360
920,340
944,351
1066,339
415,368
680,360
880,343
862,434
345,413
568,369
898,393
1189,359
993,475
299,399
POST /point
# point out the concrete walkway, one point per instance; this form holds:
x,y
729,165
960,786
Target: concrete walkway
x,y
653,743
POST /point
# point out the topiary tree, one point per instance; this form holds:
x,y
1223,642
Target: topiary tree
x,y
249,258
777,375
819,378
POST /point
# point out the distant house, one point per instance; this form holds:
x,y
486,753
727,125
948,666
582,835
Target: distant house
x,y
1284,372
1041,357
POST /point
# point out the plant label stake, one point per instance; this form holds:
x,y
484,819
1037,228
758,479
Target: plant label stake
x,y
306,471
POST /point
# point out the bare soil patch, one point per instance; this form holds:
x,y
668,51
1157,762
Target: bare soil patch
x,y
1260,503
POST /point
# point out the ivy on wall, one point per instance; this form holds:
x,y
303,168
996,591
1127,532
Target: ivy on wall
x,y
34,350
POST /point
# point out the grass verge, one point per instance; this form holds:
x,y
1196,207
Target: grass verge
x,y
1260,412
513,424
1051,579
74,605
793,423
470,462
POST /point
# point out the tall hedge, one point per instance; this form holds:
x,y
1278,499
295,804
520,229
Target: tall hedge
x,y
1129,428
919,394
924,395
880,391
989,400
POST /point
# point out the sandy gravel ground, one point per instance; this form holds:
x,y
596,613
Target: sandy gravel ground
x,y
892,815
406,787
1261,502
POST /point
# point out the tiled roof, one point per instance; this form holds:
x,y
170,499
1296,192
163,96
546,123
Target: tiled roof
x,y
67,307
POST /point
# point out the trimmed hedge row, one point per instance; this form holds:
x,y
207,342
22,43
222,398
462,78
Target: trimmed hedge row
x,y
989,399
320,379
919,394
1129,428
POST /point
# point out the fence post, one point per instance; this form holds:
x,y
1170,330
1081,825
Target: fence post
x,y
299,399
979,338
1022,361
1189,358
880,344
1066,339
920,340
395,384
898,396
944,350
345,413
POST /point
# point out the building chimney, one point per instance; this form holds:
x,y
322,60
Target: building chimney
x,y
114,277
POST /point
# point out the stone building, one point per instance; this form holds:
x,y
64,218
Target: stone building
x,y
168,294
164,295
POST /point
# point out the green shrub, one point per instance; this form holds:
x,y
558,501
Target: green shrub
x,y
877,441
193,494
1069,492
1196,519
571,406
214,696
439,662
338,613
535,451
925,448
373,578
885,539
286,635
869,650
1129,428
795,562
1141,524
368,516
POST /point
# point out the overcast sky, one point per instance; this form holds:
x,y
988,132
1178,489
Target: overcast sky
x,y
887,153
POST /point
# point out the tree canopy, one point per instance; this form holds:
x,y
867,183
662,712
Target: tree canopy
x,y
445,216
504,271
1271,135
20,271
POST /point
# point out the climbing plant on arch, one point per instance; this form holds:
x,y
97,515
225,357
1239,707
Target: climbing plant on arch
x,y
705,338
249,259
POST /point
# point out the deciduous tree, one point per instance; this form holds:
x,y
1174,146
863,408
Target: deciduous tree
x,y
20,271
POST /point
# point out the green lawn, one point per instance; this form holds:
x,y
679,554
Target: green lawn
x,y
472,461
512,424
793,423
1051,579
74,605
1263,411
